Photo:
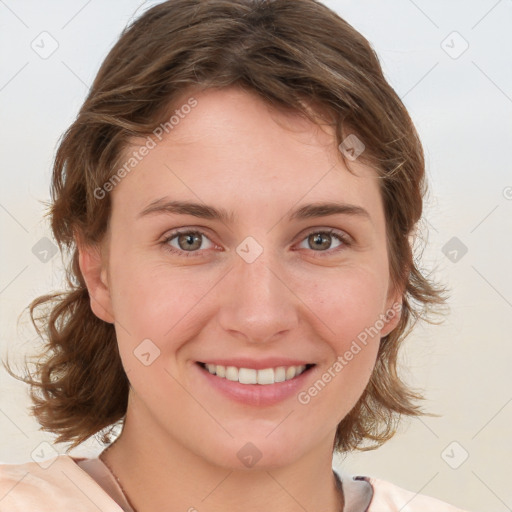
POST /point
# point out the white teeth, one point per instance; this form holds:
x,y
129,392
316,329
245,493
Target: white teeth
x,y
280,374
265,376
247,376
290,372
231,373
252,376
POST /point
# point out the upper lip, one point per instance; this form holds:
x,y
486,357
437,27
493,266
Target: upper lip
x,y
260,364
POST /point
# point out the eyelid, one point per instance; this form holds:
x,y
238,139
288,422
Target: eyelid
x,y
333,231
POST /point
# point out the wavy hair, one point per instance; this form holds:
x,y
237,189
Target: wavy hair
x,y
294,54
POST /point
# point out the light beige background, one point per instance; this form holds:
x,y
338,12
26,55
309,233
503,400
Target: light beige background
x,y
462,106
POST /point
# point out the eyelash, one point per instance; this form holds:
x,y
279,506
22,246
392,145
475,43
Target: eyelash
x,y
344,239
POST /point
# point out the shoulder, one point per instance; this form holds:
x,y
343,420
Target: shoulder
x,y
54,485
388,497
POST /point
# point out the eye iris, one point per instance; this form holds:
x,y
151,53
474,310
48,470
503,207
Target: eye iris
x,y
189,238
318,238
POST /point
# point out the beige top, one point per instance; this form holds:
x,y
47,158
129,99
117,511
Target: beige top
x,y
65,483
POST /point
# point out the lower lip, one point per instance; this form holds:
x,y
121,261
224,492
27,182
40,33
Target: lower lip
x,y
256,394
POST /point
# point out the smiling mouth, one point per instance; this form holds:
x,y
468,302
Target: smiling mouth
x,y
264,376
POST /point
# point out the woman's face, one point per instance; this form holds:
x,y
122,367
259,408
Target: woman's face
x,y
250,282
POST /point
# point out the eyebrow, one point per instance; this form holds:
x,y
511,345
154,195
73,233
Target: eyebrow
x,y
308,211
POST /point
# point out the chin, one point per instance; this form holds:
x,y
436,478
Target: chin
x,y
256,452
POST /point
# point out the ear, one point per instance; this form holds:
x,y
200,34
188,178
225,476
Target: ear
x,y
94,269
393,312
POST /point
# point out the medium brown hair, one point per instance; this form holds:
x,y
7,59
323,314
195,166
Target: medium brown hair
x,y
292,53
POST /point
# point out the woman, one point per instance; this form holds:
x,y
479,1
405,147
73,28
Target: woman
x,y
239,192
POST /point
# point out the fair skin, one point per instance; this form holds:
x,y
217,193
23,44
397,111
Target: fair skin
x,y
179,445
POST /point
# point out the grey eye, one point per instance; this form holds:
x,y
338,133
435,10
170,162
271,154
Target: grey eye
x,y
321,241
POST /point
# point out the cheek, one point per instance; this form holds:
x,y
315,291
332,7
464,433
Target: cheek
x,y
349,310
150,300
349,302
350,306
156,311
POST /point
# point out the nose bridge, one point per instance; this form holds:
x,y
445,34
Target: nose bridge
x,y
257,303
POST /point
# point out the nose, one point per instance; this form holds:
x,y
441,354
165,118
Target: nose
x,y
257,303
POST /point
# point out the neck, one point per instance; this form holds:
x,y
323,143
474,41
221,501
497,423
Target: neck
x,y
158,473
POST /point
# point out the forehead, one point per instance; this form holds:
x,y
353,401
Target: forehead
x,y
231,148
